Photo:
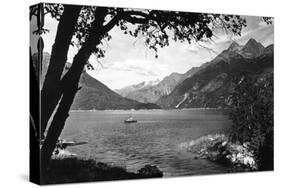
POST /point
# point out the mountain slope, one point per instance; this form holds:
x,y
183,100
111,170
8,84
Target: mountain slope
x,y
95,95
214,83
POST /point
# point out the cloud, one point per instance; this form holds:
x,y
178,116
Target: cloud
x,y
131,71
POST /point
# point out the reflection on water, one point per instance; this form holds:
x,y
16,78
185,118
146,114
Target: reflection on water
x,y
155,139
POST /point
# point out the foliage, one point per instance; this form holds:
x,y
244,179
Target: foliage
x,y
156,27
268,20
252,117
69,170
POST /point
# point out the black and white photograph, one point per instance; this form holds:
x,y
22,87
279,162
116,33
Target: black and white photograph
x,y
119,93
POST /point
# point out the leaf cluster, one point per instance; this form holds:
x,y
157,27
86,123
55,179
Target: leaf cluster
x,y
157,28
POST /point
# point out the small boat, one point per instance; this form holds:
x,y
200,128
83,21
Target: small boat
x,y
130,120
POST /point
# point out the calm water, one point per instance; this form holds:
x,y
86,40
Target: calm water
x,y
155,139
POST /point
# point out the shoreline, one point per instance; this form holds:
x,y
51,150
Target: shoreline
x,y
218,148
132,110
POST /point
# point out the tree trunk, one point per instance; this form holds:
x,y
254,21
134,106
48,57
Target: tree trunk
x,y
51,91
54,131
70,84
69,90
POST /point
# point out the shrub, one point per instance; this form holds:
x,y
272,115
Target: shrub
x,y
252,116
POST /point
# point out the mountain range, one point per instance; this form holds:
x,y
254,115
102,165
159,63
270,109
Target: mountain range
x,y
213,75
213,84
207,86
150,93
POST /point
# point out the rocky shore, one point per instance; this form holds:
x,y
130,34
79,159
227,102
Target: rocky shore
x,y
220,149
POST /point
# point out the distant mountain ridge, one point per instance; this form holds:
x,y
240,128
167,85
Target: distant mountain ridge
x,y
151,93
143,85
214,83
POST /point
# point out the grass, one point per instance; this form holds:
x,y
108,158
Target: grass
x,y
73,170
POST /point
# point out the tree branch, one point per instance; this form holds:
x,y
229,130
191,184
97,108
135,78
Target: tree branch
x,y
134,20
112,22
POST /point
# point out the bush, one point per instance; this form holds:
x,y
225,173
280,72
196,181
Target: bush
x,y
252,116
218,148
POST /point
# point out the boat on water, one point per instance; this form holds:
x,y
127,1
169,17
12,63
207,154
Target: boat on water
x,y
130,120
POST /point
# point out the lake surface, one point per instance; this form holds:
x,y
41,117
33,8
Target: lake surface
x,y
155,139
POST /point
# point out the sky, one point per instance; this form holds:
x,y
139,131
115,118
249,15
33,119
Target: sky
x,y
127,60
